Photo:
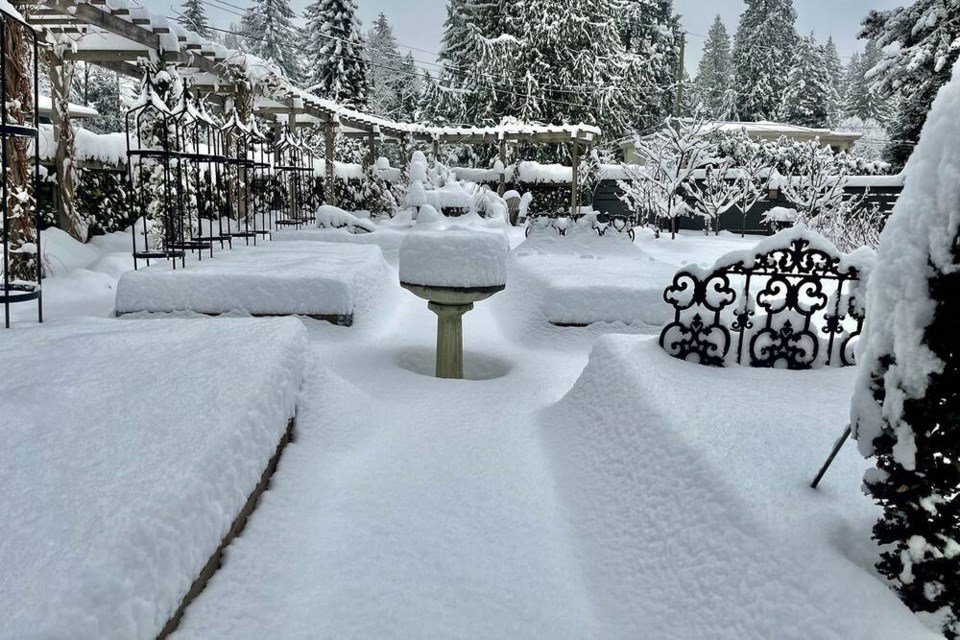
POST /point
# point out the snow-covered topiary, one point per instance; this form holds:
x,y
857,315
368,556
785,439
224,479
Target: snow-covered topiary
x,y
906,410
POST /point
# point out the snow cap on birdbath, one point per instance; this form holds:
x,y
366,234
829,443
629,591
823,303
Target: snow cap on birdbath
x,y
452,267
461,257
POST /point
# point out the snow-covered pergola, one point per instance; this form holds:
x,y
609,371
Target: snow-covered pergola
x,y
116,34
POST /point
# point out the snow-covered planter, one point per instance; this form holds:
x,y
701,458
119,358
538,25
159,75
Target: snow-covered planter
x,y
458,257
793,302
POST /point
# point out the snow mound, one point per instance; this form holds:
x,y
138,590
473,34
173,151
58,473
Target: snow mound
x,y
582,279
62,253
456,256
287,278
130,447
686,490
335,218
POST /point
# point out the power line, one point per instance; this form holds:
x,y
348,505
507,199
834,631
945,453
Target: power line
x,y
289,47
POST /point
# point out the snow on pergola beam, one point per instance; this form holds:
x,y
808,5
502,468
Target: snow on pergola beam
x,y
117,35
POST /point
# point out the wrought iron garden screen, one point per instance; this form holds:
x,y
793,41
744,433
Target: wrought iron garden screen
x,y
797,303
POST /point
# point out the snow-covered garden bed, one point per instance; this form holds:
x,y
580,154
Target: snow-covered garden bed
x,y
326,280
686,489
130,448
583,279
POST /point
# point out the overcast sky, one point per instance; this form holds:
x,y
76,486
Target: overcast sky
x,y
419,23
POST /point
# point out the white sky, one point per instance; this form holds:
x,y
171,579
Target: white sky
x,y
419,23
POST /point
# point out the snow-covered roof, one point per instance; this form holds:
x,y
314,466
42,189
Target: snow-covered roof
x,y
76,110
768,130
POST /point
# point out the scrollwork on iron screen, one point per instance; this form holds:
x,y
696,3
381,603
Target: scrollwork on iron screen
x,y
792,307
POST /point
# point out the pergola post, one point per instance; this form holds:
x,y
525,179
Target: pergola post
x,y
502,186
371,157
575,165
329,153
61,77
436,150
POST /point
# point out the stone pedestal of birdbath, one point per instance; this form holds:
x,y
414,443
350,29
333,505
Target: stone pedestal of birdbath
x,y
450,304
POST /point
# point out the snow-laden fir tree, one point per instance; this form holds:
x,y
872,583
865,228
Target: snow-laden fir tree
x,y
862,100
920,42
651,33
469,31
336,52
762,55
269,33
408,93
714,75
831,60
556,62
194,17
808,92
103,94
906,410
385,79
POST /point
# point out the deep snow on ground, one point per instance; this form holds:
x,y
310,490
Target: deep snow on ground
x,y
657,499
129,448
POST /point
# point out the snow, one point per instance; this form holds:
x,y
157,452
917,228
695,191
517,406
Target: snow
x,y
130,448
290,278
583,279
659,499
109,148
675,477
336,218
454,256
916,243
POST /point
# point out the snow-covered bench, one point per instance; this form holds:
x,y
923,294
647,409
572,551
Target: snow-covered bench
x,y
794,301
325,281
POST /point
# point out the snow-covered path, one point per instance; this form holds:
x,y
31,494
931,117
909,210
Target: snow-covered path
x,y
408,506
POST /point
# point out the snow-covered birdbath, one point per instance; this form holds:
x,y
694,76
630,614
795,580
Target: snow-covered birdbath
x,y
452,268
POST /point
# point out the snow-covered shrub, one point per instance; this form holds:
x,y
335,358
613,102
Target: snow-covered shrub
x,y
370,193
906,410
715,194
815,181
103,201
670,158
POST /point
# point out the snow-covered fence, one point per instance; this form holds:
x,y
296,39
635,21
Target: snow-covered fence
x,y
793,302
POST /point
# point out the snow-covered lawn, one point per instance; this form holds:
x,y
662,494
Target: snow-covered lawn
x,y
632,497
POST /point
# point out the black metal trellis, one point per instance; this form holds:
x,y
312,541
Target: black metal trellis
x,y
152,157
200,170
292,176
261,177
793,307
16,290
238,141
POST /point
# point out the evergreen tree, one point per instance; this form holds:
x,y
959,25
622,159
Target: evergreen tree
x,y
762,55
862,100
834,80
652,34
336,53
808,92
384,55
103,94
194,17
269,32
714,77
232,39
558,62
925,34
907,406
